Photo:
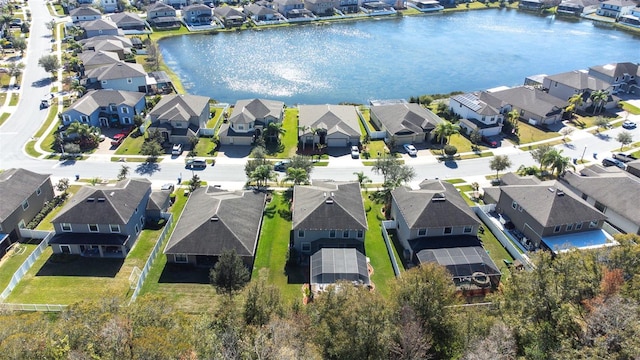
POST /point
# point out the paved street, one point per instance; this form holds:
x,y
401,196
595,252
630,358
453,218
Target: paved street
x,y
229,172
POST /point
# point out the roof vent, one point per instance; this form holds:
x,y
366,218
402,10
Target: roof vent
x,y
215,218
439,197
328,201
101,199
91,199
112,193
560,193
551,189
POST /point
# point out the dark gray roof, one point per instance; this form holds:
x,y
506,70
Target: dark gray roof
x,y
635,164
94,58
121,70
288,2
579,79
84,11
461,255
532,100
99,24
617,69
94,41
227,11
16,185
328,205
515,179
93,100
215,220
195,7
436,204
411,117
179,107
331,265
158,200
160,6
126,19
342,119
550,203
105,204
619,191
247,111
259,10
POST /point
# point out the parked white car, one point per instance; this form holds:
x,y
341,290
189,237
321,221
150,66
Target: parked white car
x,y
410,149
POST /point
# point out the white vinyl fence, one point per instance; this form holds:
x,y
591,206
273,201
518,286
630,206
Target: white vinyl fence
x,y
26,265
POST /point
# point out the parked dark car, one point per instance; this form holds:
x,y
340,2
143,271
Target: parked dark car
x,y
624,157
281,165
613,162
492,143
196,164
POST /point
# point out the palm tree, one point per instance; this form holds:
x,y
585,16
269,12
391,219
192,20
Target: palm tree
x,y
79,129
512,117
575,101
5,20
78,88
444,130
599,99
296,175
262,174
273,132
556,162
362,178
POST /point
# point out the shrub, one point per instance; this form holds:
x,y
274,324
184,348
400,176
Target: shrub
x,y
46,209
450,150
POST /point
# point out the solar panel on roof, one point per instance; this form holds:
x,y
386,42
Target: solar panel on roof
x,y
470,101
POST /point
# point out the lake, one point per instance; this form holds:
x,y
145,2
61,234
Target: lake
x,y
391,58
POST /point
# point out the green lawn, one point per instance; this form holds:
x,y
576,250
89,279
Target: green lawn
x,y
130,146
496,251
376,250
4,118
46,224
630,108
455,181
476,155
15,97
529,133
141,159
205,147
273,248
56,279
10,263
376,148
550,143
3,98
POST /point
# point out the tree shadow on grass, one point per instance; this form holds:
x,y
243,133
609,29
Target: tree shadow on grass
x,y
184,274
76,265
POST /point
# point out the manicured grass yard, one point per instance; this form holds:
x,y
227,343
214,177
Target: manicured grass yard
x,y
130,146
376,250
4,117
10,263
47,143
496,251
289,140
63,279
630,108
529,133
3,98
15,97
46,224
205,147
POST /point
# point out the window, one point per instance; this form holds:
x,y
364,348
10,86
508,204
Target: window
x,y
467,229
180,258
519,208
113,108
125,110
306,247
300,233
240,127
21,224
115,228
514,205
65,227
66,119
578,226
142,220
598,205
129,80
103,82
84,119
332,233
569,227
448,230
38,191
422,232
360,234
345,234
126,120
93,227
25,205
584,196
137,229
593,223
557,228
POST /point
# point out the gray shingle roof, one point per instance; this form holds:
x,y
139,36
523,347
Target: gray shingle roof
x,y
256,9
94,58
195,7
227,11
341,119
16,185
160,6
84,11
514,179
328,205
179,107
402,118
247,111
532,100
119,204
95,99
93,41
477,105
126,19
436,204
99,24
121,70
617,191
580,80
214,220
158,200
617,69
550,208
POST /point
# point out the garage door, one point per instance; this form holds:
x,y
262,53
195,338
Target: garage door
x,y
336,142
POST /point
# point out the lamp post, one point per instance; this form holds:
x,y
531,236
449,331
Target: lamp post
x,y
583,152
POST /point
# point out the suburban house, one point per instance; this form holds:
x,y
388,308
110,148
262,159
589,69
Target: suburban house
x,y
84,13
285,7
122,49
109,6
214,221
260,13
435,224
105,108
565,85
179,117
162,15
615,193
102,221
535,106
322,7
96,41
120,76
95,59
128,22
177,4
406,123
479,111
533,5
248,120
623,77
633,167
425,5
616,8
24,193
159,203
349,6
100,27
330,125
632,19
544,213
197,14
228,16
577,7
328,214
